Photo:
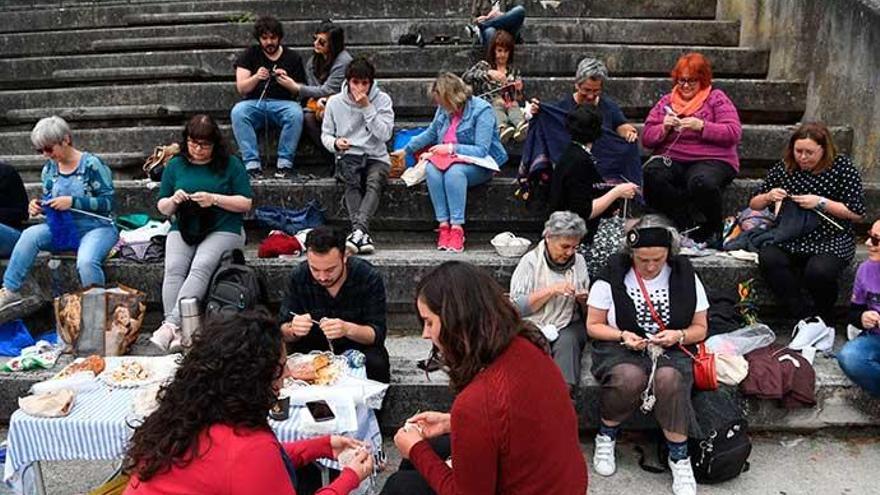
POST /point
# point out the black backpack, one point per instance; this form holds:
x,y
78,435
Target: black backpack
x,y
234,287
723,455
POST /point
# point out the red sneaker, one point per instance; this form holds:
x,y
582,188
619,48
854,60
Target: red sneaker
x,y
456,240
443,238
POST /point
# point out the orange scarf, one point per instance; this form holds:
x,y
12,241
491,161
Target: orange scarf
x,y
684,108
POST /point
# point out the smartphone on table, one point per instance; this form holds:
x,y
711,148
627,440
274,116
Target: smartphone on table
x,y
320,411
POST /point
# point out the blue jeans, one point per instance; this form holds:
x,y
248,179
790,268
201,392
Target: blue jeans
x,y
249,116
448,190
93,248
8,238
510,21
860,360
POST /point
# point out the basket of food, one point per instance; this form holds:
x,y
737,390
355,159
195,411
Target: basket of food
x,y
510,246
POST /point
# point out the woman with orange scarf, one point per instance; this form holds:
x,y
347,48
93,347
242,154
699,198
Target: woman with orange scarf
x,y
693,132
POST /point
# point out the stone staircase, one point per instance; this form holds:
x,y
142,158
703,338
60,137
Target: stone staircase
x,y
127,73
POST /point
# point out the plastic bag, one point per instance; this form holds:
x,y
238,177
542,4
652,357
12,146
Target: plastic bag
x,y
14,337
41,355
741,341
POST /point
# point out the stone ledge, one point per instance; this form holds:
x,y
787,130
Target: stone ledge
x,y
535,60
841,404
114,16
384,31
758,101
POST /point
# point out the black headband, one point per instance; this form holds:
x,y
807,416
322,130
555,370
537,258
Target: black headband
x,y
649,237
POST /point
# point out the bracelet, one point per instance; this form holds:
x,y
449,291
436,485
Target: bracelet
x,y
620,339
682,337
216,200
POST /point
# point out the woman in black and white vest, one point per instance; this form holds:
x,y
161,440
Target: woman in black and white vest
x,y
627,338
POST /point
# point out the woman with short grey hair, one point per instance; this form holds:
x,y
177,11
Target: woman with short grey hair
x,y
75,183
549,287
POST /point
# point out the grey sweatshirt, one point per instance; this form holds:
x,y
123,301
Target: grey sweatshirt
x,y
315,88
368,129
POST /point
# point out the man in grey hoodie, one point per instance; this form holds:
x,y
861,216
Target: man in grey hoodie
x,y
358,122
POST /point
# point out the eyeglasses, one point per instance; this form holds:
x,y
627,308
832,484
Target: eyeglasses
x,y
688,82
320,41
204,145
873,240
45,149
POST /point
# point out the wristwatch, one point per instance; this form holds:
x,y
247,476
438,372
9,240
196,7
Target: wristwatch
x,y
823,202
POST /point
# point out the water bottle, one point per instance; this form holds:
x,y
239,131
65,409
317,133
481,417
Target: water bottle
x,y
190,319
355,358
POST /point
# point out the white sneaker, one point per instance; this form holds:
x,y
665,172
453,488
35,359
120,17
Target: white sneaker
x,y
812,332
164,335
603,456
683,482
853,332
9,299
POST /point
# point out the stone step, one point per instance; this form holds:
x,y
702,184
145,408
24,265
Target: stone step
x,y
85,114
840,403
535,61
124,148
758,101
187,18
86,16
131,73
401,265
387,31
166,43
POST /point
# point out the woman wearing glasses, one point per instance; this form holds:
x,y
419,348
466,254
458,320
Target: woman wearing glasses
x,y
512,426
206,190
693,132
325,73
860,358
814,178
75,183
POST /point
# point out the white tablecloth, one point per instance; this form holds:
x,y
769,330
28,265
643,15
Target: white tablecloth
x,y
102,420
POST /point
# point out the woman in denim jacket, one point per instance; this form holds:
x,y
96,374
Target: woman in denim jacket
x,y
74,181
465,151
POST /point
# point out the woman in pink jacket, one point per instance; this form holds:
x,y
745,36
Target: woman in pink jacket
x,y
693,133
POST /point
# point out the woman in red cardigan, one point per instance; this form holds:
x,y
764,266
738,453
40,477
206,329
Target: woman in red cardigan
x,y
210,434
512,426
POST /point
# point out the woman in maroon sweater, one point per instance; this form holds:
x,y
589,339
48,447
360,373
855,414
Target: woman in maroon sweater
x,y
513,428
210,434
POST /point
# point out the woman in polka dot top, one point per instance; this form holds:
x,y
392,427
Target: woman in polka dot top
x,y
815,177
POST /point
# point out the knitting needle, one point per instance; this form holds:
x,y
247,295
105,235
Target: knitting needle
x,y
315,322
487,93
688,231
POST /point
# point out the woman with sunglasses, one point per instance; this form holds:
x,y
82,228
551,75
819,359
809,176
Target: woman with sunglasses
x,y
75,183
860,357
207,192
815,178
649,295
325,73
693,133
508,388
210,433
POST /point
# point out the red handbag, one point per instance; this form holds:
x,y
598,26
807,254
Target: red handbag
x,y
704,361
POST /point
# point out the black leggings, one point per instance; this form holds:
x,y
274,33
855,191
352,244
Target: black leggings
x,y
408,481
786,273
689,193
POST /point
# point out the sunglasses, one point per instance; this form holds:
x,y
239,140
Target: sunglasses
x,y
873,240
319,40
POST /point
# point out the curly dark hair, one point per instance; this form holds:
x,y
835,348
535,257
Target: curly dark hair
x,y
203,127
584,123
267,24
225,378
477,321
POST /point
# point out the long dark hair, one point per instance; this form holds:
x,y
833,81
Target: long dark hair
x,y
203,127
477,321
226,378
336,41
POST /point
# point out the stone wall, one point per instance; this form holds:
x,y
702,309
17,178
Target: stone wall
x,y
832,45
